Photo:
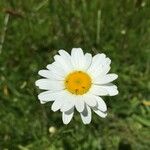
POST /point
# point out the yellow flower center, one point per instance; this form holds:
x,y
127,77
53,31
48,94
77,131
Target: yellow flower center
x,y
78,82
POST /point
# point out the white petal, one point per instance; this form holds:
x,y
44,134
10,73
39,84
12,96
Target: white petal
x,y
56,105
106,79
77,58
101,104
86,115
67,58
56,69
90,100
67,99
50,95
100,113
104,71
47,74
68,102
88,60
64,54
66,106
45,97
59,68
96,62
111,88
100,65
67,116
106,62
101,71
97,90
63,62
46,84
79,104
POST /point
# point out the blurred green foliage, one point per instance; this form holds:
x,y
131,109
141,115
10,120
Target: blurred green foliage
x,y
35,31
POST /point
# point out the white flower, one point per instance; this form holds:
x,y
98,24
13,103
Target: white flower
x,y
77,81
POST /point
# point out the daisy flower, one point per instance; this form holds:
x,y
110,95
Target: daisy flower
x,y
77,81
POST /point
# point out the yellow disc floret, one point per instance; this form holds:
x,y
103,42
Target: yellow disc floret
x,y
78,82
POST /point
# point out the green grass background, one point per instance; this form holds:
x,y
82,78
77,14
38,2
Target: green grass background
x,y
36,30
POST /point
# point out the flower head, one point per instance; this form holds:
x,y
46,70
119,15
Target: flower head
x,y
77,81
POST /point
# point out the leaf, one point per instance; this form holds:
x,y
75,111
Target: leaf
x,y
141,120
